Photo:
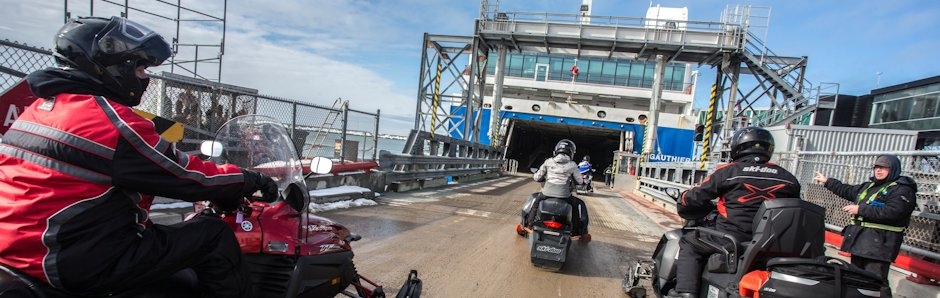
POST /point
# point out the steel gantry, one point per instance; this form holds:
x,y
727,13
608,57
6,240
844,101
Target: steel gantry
x,y
450,86
777,94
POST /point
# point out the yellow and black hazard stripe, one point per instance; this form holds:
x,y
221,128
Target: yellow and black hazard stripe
x,y
169,130
709,124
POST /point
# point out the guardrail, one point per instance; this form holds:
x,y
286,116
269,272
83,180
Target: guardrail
x,y
428,156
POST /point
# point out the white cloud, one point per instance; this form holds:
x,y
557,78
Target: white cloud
x,y
310,52
368,51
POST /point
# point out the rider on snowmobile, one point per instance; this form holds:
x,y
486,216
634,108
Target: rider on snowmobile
x,y
587,170
558,172
740,187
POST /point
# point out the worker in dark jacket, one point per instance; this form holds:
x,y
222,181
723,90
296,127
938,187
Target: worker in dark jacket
x,y
881,210
740,187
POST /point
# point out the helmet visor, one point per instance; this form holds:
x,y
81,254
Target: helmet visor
x,y
124,39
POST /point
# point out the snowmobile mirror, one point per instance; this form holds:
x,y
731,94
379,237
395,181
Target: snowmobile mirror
x,y
211,148
672,193
321,165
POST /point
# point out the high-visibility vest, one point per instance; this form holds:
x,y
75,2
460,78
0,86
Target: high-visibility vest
x,y
862,197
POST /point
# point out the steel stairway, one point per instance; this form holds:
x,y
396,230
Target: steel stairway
x,y
781,77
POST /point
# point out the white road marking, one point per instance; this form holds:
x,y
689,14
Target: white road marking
x,y
471,212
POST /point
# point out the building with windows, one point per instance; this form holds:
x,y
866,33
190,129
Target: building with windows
x,y
913,106
909,106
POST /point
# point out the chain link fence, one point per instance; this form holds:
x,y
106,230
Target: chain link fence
x,y
856,168
203,106
17,60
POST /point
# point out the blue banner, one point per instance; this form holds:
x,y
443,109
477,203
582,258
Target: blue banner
x,y
672,144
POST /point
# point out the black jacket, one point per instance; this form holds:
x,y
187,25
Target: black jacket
x,y
893,208
740,187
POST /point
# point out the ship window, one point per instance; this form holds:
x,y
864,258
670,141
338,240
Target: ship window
x,y
595,72
918,107
930,105
636,75
904,108
889,112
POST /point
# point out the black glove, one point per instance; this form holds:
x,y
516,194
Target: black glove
x,y
255,181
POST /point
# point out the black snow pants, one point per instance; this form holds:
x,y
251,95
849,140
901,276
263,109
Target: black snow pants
x,y
204,244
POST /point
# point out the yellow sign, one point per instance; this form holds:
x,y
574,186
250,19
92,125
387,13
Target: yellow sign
x,y
169,130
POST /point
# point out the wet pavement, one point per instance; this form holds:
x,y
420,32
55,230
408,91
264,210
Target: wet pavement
x,y
462,241
461,238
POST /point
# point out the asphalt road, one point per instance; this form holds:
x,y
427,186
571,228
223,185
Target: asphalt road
x,y
462,241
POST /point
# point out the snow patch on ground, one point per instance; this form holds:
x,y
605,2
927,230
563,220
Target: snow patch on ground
x,y
345,189
314,207
176,205
339,190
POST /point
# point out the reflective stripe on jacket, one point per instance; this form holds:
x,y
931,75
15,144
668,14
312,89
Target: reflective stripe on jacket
x,y
78,173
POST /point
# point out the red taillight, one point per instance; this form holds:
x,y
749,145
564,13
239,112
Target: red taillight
x,y
552,224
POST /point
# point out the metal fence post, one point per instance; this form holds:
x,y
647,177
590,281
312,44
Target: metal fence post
x,y
293,124
342,145
375,146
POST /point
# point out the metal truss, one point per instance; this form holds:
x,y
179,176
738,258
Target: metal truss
x,y
450,86
179,14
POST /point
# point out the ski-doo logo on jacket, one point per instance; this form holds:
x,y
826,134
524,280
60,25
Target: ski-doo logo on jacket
x,y
759,169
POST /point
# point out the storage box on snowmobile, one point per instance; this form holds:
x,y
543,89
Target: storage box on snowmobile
x,y
819,277
554,209
549,246
783,227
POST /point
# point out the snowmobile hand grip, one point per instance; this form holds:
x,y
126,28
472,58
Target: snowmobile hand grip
x,y
255,181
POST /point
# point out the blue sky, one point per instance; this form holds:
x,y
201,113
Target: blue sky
x,y
369,51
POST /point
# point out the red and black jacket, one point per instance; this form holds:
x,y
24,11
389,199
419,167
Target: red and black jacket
x,y
740,187
74,171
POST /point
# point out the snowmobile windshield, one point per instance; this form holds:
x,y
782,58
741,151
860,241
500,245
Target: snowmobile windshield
x,y
258,143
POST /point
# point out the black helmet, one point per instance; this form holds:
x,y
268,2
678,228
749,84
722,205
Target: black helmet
x,y
110,50
565,146
586,158
752,140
